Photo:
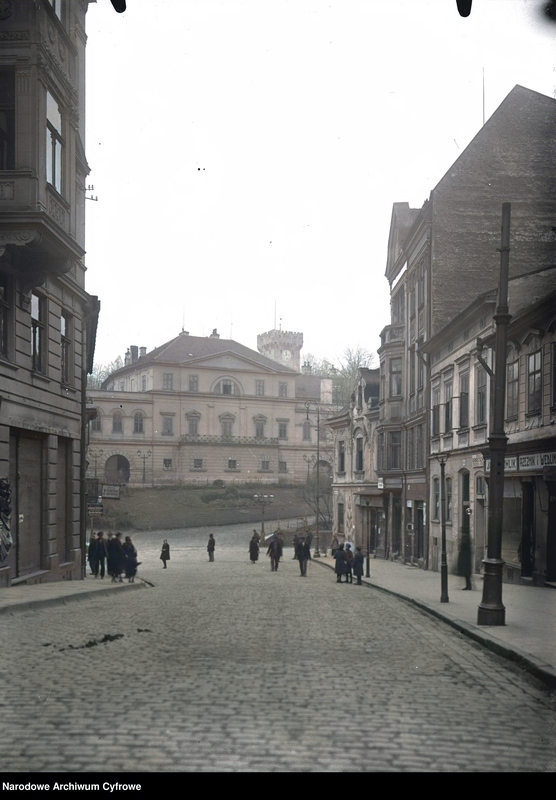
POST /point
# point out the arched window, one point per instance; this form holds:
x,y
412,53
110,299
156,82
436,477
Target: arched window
x,y
138,422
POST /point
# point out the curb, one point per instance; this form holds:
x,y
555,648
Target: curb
x,y
539,669
24,606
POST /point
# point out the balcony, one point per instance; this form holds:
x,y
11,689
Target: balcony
x,y
251,441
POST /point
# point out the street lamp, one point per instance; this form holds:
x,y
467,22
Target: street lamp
x,y
442,459
144,456
263,500
316,553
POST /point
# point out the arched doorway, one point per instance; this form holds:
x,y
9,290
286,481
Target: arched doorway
x,y
116,470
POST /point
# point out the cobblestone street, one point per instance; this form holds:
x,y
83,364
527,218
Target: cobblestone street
x,y
227,666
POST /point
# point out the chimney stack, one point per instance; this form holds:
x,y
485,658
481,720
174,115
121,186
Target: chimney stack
x,y
127,358
142,352
134,353
215,334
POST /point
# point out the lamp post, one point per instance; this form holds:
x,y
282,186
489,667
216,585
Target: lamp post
x,y
316,553
263,500
442,459
144,456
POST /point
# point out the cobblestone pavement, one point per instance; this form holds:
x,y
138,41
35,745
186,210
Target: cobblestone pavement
x,y
227,666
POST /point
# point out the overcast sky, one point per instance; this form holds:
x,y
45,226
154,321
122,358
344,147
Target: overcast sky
x,y
246,154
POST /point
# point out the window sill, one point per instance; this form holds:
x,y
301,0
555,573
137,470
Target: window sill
x,y
5,363
39,377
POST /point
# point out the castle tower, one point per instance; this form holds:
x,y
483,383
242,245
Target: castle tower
x,y
282,346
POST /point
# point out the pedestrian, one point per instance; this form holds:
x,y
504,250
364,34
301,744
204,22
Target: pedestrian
x,y
296,540
340,566
303,555
256,536
165,554
210,547
118,558
99,564
358,561
348,555
111,556
334,544
274,553
131,562
91,552
254,548
464,559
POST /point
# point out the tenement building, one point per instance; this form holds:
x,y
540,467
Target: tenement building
x,y
199,409
47,319
442,259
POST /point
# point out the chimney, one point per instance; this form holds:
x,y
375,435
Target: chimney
x,y
307,369
134,353
184,333
142,352
215,334
127,358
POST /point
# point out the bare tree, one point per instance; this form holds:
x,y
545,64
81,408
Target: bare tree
x,y
102,371
344,373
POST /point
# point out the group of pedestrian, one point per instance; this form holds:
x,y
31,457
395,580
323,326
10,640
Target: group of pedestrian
x,y
348,563
112,556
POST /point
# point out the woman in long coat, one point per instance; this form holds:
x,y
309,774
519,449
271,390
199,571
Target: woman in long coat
x,y
254,549
130,559
358,561
165,554
340,568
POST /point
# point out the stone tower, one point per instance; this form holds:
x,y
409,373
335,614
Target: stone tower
x,y
282,346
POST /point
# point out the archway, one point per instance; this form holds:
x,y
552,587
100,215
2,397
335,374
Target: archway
x,y
116,470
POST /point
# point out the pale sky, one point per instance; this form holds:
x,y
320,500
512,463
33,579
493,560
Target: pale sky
x,y
246,154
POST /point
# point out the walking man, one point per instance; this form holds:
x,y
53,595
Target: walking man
x,y
303,554
274,551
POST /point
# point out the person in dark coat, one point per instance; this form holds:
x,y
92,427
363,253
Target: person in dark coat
x,y
348,555
296,541
210,547
303,555
254,548
91,552
358,561
118,558
274,551
99,558
464,559
165,554
131,562
340,567
111,557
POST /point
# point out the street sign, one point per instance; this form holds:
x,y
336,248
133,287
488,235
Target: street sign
x,y
95,510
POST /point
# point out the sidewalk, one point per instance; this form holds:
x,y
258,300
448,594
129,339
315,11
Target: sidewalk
x,y
528,637
22,599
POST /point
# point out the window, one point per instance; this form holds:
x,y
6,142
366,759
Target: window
x,y
7,119
167,426
435,497
411,448
395,377
168,380
341,517
143,383
37,333
166,463
282,390
197,463
480,486
65,323
265,465
512,389
341,456
227,428
398,308
117,422
436,411
306,431
193,383
96,423
395,450
282,430
282,466
359,454
122,386
481,413
232,463
534,382
138,423
448,391
259,429
464,400
227,387
381,456
193,425
419,450
54,143
259,388
5,314
448,484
